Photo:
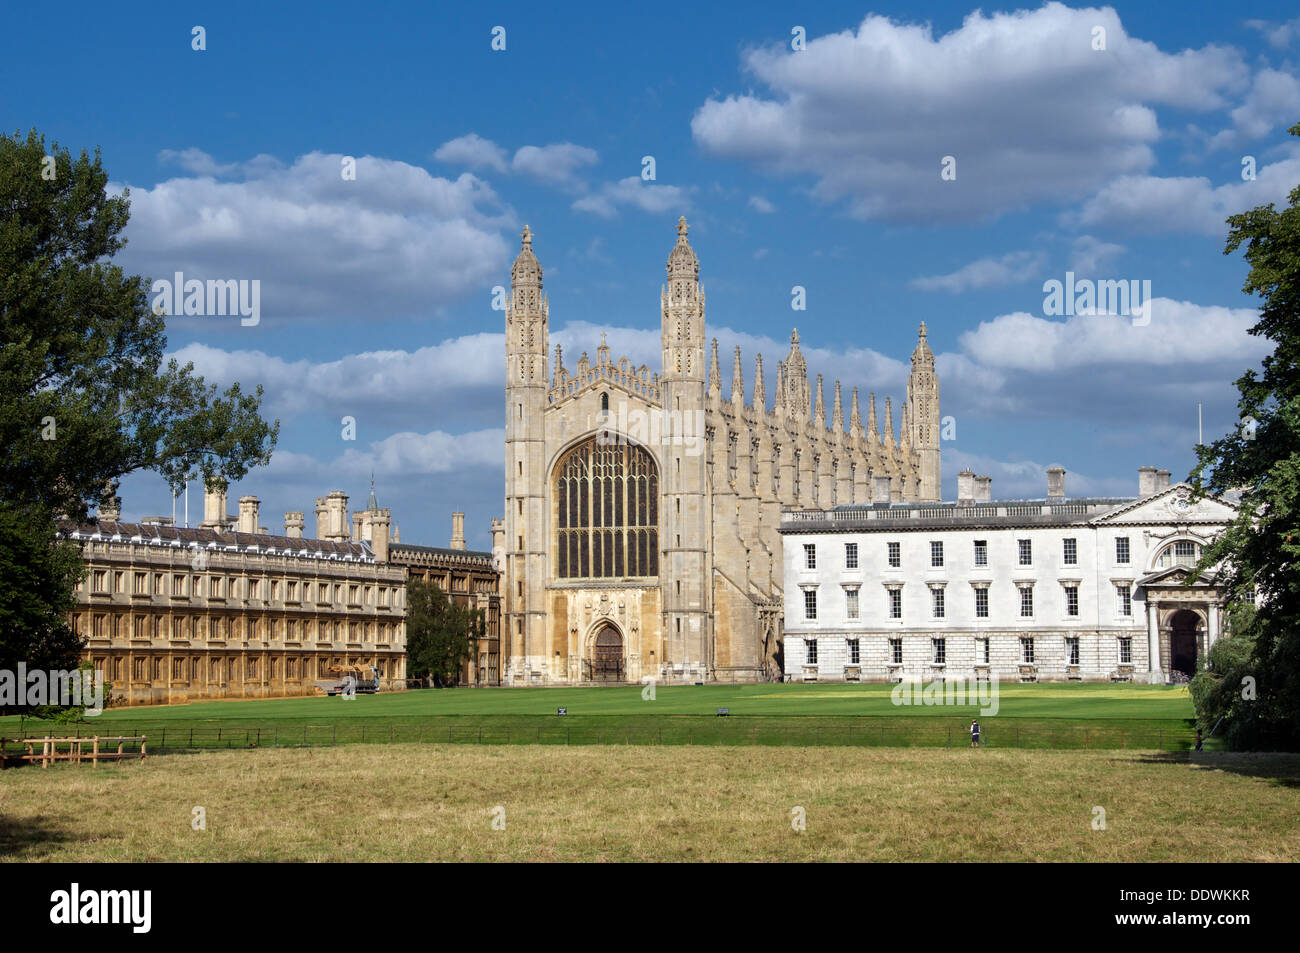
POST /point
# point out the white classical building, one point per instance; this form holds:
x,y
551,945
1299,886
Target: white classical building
x,y
1050,589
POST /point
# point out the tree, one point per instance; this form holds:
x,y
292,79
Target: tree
x,y
85,395
440,635
1257,553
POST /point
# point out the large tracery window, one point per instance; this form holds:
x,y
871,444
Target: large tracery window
x,y
607,507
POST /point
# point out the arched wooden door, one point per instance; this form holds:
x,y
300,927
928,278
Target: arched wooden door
x,y
607,656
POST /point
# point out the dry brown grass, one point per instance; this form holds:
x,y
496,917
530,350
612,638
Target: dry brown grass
x,y
433,802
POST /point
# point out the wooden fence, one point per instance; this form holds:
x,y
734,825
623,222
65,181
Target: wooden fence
x,y
76,750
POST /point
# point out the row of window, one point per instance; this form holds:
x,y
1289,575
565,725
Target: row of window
x,y
117,626
938,605
181,584
939,650
191,668
1181,553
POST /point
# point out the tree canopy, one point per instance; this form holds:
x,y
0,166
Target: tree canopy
x,y
441,636
1254,685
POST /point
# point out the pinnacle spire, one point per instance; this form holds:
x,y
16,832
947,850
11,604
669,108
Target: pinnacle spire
x,y
889,423
855,418
715,373
837,415
819,408
737,382
760,392
873,433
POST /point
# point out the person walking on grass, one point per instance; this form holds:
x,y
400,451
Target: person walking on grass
x,y
974,734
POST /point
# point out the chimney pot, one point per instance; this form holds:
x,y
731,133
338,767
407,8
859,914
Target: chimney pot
x,y
1056,483
1146,481
966,487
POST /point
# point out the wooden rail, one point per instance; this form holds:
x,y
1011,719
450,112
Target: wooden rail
x,y
76,750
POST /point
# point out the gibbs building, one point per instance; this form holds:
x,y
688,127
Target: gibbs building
x,y
643,508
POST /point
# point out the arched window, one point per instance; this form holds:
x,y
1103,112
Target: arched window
x,y
1181,553
604,404
607,512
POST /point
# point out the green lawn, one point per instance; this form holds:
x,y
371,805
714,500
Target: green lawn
x,y
1029,715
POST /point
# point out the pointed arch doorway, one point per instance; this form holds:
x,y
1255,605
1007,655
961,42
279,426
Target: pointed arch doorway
x,y
606,663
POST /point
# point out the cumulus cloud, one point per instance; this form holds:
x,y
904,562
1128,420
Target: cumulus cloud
x,y
1091,256
1012,268
395,242
633,192
761,205
556,164
1146,203
1030,111
1278,35
1179,334
472,151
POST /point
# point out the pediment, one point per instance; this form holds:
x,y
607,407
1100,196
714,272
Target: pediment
x,y
1173,506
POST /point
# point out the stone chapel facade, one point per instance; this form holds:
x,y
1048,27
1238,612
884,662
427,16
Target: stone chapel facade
x,y
643,510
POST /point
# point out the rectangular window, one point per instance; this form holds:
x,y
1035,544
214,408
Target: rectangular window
x,y
936,553
1071,551
1071,600
1026,552
850,555
1125,597
940,647
1072,650
1027,650
936,602
895,603
855,653
981,552
810,651
810,603
894,552
981,603
982,650
1026,601
851,603
896,651
1125,650
1121,550
809,556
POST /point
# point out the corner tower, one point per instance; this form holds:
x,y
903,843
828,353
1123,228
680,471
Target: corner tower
x,y
923,417
527,317
685,569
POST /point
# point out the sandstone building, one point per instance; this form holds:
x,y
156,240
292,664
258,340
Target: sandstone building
x,y
228,610
643,509
1021,590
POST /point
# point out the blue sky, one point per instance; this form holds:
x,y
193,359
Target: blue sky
x,y
818,167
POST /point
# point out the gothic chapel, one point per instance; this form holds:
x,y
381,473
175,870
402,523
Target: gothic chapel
x,y
642,508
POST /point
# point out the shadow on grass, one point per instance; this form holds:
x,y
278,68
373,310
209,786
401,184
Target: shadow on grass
x,y
28,838
1281,768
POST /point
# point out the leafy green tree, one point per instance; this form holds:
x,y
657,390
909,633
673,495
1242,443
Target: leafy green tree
x,y
85,395
1261,459
440,635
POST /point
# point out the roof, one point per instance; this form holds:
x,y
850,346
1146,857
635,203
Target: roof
x,y
203,538
395,548
916,516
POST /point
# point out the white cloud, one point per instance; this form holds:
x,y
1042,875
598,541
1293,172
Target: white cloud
x,y
394,242
761,205
633,192
1090,256
474,152
1146,203
554,164
1030,111
1012,268
1180,335
1278,35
